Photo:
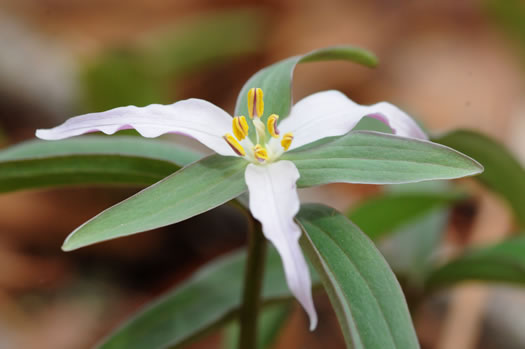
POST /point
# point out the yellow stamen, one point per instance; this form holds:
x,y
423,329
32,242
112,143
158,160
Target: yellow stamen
x,y
272,125
255,102
240,127
260,102
260,153
251,96
287,140
232,142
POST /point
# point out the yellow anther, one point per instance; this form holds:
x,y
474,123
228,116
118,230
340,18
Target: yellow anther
x,y
260,153
287,140
240,127
232,142
255,102
260,102
251,96
272,125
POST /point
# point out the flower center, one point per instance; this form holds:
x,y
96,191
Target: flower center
x,y
263,151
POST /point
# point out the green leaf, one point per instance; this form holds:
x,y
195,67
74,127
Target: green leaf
x,y
411,250
510,15
205,41
188,192
90,160
503,172
276,80
270,324
413,218
364,292
397,209
120,77
502,262
209,299
376,158
371,124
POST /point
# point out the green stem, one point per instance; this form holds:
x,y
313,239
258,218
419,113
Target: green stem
x,y
253,277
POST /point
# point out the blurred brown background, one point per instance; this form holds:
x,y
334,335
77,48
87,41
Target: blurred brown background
x,y
451,64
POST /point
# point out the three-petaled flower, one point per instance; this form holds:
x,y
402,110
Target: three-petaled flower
x,y
260,139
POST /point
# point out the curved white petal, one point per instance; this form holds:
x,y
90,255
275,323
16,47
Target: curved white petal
x,y
195,118
274,202
331,113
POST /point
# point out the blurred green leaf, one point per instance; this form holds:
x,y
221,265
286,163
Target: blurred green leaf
x,y
410,249
206,40
90,160
413,217
276,80
208,300
147,72
502,262
270,324
376,158
510,14
388,212
503,173
121,77
188,192
365,294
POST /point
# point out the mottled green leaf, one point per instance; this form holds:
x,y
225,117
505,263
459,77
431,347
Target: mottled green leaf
x,y
377,158
194,189
90,160
364,292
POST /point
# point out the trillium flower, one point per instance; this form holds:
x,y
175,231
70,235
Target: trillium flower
x,y
261,140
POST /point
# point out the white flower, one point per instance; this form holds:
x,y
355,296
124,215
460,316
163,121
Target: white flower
x,y
261,141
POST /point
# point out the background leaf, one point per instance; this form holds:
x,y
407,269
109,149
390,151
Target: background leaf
x,y
386,213
510,15
364,292
503,173
270,323
90,160
188,192
145,73
411,223
502,262
206,301
411,250
376,158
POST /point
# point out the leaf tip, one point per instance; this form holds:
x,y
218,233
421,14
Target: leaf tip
x,y
70,244
478,168
373,61
67,247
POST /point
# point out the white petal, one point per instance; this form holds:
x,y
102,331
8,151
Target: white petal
x,y
331,113
274,202
195,118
